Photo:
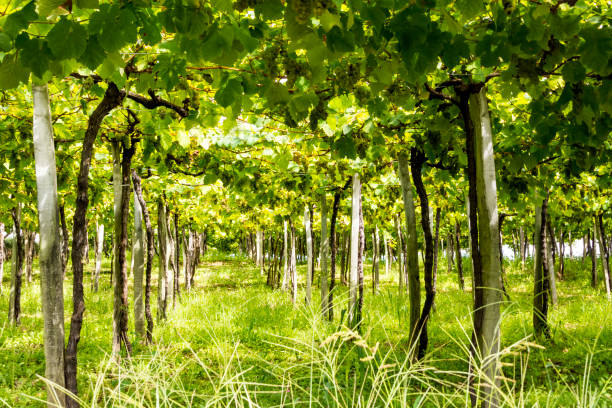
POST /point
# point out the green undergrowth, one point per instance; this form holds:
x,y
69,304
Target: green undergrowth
x,y
233,341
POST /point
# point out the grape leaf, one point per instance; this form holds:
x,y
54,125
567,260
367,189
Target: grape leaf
x,y
94,54
20,20
5,42
573,72
46,7
12,73
228,94
87,4
270,9
34,54
63,30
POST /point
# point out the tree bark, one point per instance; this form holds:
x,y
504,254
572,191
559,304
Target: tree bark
x,y
417,160
286,277
117,230
323,256
550,261
186,261
362,248
309,255
177,251
162,235
65,245
334,251
593,252
400,254
170,256
259,249
17,268
482,199
386,245
523,247
414,284
30,247
436,243
194,243
603,253
293,264
540,291
459,260
51,268
150,251
121,307
562,255
344,258
502,217
112,98
449,252
138,250
99,249
375,260
2,254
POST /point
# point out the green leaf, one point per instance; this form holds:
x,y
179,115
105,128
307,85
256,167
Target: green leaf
x,y
340,41
223,5
63,30
454,50
34,54
20,20
46,7
344,146
596,51
169,69
270,9
150,30
12,73
94,54
210,178
277,93
213,46
470,8
115,27
329,20
87,4
228,94
573,72
5,42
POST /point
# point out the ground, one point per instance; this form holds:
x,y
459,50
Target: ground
x,y
233,341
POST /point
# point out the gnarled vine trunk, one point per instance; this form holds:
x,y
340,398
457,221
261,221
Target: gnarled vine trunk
x,y
459,261
293,263
150,252
309,254
121,307
14,313
99,248
138,254
323,256
112,98
2,254
541,283
414,284
162,283
417,160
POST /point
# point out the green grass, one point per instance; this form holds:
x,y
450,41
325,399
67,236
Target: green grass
x,y
233,341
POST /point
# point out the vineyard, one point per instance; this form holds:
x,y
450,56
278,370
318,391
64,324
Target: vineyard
x,y
282,203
